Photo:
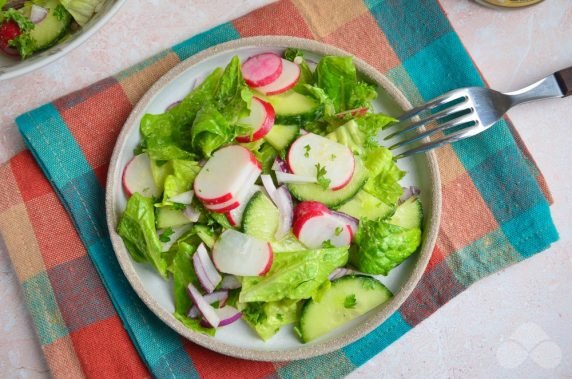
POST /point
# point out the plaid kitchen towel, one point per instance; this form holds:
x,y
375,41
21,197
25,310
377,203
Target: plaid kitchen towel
x,y
52,216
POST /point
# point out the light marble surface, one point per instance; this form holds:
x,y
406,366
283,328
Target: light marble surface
x,y
515,323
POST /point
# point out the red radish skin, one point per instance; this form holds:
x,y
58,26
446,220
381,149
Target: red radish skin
x,y
287,79
261,124
225,209
234,216
299,223
269,264
8,31
262,69
218,181
240,197
137,177
306,207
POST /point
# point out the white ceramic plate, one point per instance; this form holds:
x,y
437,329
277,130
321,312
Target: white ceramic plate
x,y
238,339
10,67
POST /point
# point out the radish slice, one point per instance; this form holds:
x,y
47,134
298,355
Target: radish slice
x,y
352,222
285,205
269,186
408,192
287,79
262,69
316,228
207,311
205,270
236,201
137,177
192,213
239,254
38,14
211,298
280,165
306,207
234,216
311,149
230,282
224,174
260,119
185,198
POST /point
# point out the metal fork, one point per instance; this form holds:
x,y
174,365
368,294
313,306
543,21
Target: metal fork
x,y
470,110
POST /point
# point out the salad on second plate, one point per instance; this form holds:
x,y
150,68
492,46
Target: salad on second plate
x,y
266,197
27,27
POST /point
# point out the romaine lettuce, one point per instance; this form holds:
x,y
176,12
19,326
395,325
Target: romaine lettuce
x,y
294,275
181,180
267,318
137,228
384,177
383,246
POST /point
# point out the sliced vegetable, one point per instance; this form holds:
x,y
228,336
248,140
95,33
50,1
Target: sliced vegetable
x,y
281,136
261,218
287,79
230,282
348,297
218,296
259,122
311,151
285,177
239,254
235,216
316,229
137,177
283,201
262,69
206,310
205,270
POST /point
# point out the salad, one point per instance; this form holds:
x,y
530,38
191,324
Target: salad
x,y
27,27
265,197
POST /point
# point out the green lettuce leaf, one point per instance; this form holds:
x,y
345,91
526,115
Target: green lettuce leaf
x,y
210,130
137,228
383,181
267,318
233,97
82,10
168,135
184,272
181,180
337,76
194,324
294,275
383,246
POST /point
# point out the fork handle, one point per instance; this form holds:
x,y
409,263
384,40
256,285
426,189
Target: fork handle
x,y
564,79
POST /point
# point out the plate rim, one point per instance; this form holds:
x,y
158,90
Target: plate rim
x,y
303,351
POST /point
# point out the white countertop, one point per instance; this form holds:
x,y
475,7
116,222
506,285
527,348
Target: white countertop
x,y
514,323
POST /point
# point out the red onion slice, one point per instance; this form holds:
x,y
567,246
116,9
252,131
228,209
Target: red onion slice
x,y
283,200
280,165
409,192
38,14
339,272
230,282
227,315
211,298
206,310
172,105
204,268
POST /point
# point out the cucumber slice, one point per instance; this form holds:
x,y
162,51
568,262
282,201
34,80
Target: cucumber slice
x,y
260,218
281,136
365,205
293,108
167,217
409,214
53,27
332,199
348,297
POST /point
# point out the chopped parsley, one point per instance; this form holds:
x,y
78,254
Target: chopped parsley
x,y
332,157
307,149
350,301
178,206
321,176
338,230
60,12
327,244
166,235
